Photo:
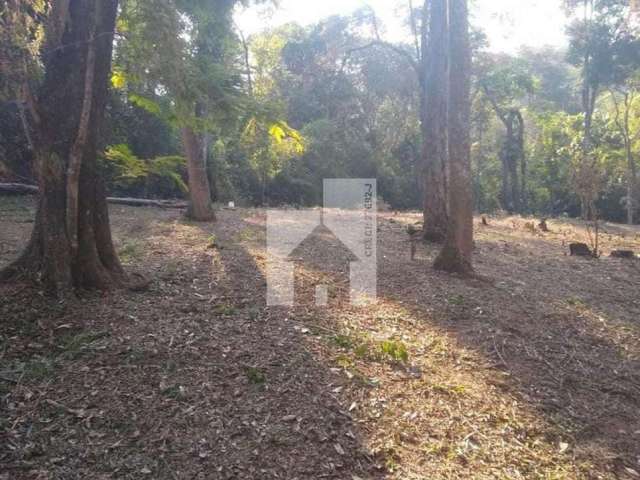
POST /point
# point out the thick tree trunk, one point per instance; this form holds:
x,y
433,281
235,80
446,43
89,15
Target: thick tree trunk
x,y
458,247
69,114
200,207
435,124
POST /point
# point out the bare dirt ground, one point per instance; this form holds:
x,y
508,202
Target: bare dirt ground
x,y
531,371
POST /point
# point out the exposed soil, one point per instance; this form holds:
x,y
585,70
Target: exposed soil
x,y
529,371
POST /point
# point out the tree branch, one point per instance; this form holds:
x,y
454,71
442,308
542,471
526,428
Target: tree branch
x,y
414,30
247,64
380,43
499,111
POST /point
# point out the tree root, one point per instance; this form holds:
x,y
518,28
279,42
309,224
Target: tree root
x,y
450,260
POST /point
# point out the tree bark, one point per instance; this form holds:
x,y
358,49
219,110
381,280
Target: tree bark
x,y
456,254
200,206
590,91
513,190
632,171
624,127
434,127
632,184
63,111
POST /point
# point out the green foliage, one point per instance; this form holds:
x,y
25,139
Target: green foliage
x,y
131,251
343,341
127,171
128,166
180,49
456,300
506,79
21,37
255,375
77,344
36,369
394,350
324,101
366,348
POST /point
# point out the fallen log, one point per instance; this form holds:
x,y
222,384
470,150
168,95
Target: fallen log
x,y
17,189
580,250
623,254
143,202
23,189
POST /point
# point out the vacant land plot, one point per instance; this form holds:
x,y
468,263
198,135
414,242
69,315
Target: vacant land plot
x,y
531,370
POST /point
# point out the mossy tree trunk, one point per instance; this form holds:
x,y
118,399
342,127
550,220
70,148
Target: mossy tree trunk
x,y
71,244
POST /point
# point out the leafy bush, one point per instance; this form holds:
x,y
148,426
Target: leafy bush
x,y
128,174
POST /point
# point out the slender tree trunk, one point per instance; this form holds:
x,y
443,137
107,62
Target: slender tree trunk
x,y
623,125
456,254
435,93
200,207
590,90
512,166
67,114
524,197
505,192
512,155
632,183
515,149
632,171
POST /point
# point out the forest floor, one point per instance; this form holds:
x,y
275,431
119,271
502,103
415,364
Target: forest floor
x,y
530,371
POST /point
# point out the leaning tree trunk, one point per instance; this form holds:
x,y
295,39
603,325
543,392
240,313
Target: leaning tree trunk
x,y
434,126
457,251
71,244
200,206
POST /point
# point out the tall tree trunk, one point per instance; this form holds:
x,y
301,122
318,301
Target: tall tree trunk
x,y
505,191
632,171
524,197
515,151
456,254
622,121
434,127
590,90
71,244
511,153
632,183
200,206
